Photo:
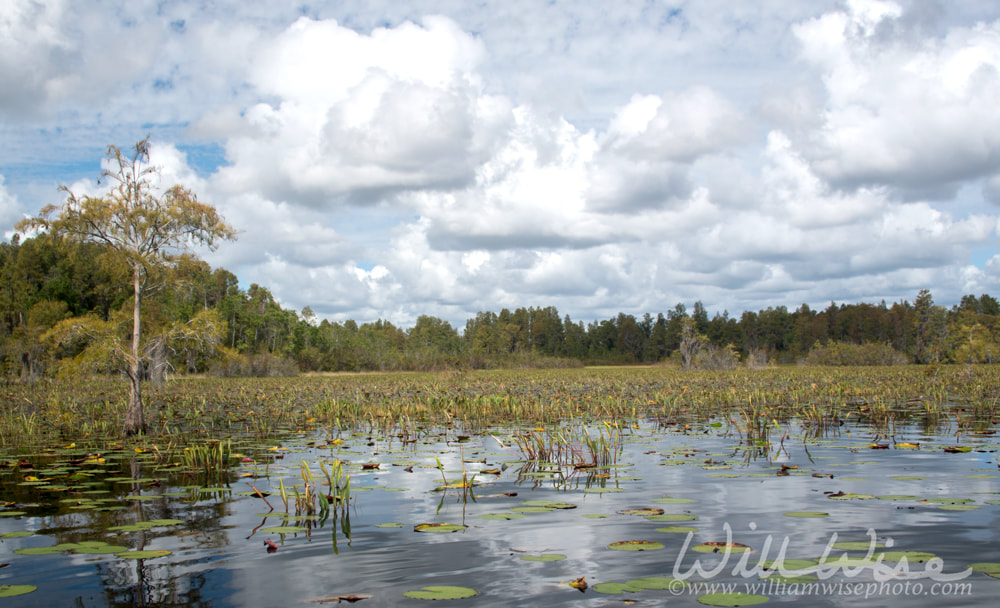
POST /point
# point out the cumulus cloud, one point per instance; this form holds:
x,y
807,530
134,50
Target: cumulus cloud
x,y
381,161
363,116
10,209
915,113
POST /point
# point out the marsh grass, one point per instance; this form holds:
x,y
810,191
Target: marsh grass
x,y
755,404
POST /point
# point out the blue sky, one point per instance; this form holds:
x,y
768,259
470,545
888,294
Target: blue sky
x,y
388,159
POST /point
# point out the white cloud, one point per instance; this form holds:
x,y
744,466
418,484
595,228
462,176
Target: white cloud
x,y
914,113
382,161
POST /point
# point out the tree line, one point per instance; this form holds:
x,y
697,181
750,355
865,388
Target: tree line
x,y
65,304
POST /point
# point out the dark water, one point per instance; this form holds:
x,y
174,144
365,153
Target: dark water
x,y
218,555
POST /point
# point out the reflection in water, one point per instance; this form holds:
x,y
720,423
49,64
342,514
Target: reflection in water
x,y
219,556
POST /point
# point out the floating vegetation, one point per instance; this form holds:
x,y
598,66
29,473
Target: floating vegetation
x,y
579,449
636,545
442,592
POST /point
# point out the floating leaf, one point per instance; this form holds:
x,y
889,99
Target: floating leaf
x,y
635,545
501,516
439,527
612,588
14,590
284,530
544,557
103,549
391,524
673,517
441,592
806,514
642,511
720,547
667,500
911,556
898,497
734,598
530,509
677,529
657,582
987,567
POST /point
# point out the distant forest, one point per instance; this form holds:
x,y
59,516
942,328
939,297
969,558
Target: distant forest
x,y
65,308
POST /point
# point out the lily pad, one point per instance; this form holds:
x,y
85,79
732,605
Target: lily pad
x,y
544,557
284,530
645,511
734,598
657,582
987,567
911,556
635,545
441,592
15,590
677,529
673,517
668,500
613,588
439,528
806,514
720,547
501,516
390,524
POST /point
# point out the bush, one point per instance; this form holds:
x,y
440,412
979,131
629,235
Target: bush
x,y
843,353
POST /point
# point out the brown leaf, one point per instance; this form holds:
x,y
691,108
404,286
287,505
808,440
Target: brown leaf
x,y
353,597
580,583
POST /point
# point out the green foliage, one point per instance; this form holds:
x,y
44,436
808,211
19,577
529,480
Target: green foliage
x,y
841,353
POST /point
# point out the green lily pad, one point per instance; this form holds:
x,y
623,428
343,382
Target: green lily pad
x,y
960,507
806,514
439,527
284,530
595,515
911,556
672,517
987,567
613,588
441,592
104,549
657,582
14,590
898,497
18,534
677,529
788,565
947,501
149,554
720,547
667,500
530,509
39,550
734,598
12,513
501,516
391,524
635,545
544,557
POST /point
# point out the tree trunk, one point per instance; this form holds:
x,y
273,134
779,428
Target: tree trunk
x,y
134,421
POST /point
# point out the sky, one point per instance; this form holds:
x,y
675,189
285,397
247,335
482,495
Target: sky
x,y
386,160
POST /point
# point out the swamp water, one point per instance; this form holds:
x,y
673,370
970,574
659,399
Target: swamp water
x,y
72,524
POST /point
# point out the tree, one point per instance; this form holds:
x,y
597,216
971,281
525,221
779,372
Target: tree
x,y
144,228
